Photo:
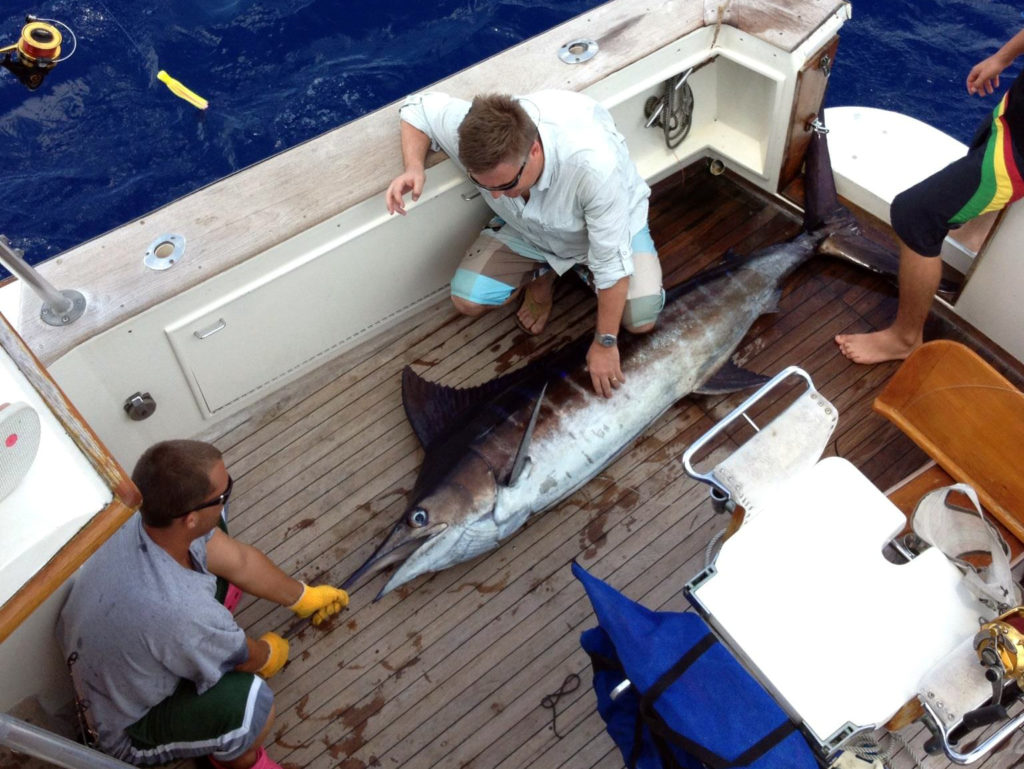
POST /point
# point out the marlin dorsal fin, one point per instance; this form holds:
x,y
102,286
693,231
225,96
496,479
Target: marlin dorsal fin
x,y
434,410
431,408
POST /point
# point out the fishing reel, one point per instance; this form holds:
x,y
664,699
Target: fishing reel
x,y
37,51
1000,646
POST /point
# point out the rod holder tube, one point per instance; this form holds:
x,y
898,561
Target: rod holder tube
x,y
59,307
40,743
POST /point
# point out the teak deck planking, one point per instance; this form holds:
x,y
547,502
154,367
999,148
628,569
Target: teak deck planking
x,y
450,669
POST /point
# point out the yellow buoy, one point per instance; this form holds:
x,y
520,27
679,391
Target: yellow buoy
x,y
181,91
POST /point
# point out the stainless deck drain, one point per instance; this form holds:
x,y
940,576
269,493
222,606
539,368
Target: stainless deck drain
x,y
164,252
578,51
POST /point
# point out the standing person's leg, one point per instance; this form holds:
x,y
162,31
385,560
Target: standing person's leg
x,y
918,281
921,216
986,179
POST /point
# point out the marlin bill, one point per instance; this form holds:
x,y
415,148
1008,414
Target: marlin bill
x,y
520,444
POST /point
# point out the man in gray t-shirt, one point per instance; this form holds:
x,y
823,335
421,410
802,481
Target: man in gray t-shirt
x,y
163,668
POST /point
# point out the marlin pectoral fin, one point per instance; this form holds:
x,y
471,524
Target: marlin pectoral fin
x,y
524,444
731,378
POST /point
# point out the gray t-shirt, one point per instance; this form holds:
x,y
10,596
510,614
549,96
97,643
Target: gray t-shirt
x,y
140,622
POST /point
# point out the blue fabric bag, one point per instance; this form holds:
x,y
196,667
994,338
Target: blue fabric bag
x,y
691,704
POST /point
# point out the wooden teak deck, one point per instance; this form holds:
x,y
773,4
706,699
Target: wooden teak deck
x,y
451,669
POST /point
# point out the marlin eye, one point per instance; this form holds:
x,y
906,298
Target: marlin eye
x,y
419,517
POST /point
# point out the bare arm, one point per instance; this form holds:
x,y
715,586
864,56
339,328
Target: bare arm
x,y
415,145
983,78
603,362
250,569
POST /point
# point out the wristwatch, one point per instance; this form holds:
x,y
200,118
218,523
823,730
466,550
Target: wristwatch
x,y
606,340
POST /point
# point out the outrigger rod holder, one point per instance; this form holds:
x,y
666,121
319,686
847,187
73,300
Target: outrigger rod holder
x,y
60,308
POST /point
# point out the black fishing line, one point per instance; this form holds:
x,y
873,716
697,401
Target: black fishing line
x,y
569,685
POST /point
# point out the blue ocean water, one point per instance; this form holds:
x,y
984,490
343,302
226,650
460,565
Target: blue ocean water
x,y
913,56
102,142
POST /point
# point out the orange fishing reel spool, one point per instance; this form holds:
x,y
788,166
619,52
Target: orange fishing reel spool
x,y
40,43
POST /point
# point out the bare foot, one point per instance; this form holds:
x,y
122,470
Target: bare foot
x,y
875,347
535,309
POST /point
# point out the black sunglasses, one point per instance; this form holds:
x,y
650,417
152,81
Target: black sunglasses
x,y
507,185
219,501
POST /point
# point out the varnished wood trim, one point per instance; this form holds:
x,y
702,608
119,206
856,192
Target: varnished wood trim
x,y
126,496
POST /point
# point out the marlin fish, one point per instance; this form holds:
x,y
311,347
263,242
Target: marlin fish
x,y
511,448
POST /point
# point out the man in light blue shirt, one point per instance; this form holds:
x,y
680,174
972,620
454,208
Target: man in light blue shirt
x,y
566,195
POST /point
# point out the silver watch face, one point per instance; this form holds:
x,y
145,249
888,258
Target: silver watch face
x,y
606,340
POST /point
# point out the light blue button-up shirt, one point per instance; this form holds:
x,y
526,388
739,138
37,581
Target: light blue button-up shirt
x,y
590,199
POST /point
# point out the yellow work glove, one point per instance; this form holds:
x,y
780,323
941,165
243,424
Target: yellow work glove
x,y
277,657
321,601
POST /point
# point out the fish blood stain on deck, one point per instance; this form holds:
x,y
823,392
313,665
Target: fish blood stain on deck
x,y
279,739
400,670
326,626
300,707
305,523
339,551
404,591
356,718
594,535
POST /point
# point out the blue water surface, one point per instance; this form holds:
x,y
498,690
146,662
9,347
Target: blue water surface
x,y
103,142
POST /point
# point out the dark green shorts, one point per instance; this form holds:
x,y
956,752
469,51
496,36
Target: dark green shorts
x,y
223,721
